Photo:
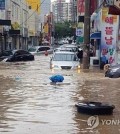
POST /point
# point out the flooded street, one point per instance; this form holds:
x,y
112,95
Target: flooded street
x,y
30,104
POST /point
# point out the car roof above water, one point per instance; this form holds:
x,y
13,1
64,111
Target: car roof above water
x,y
64,52
115,66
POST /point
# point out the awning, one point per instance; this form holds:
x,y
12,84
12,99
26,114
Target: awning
x,y
14,32
113,10
96,35
5,22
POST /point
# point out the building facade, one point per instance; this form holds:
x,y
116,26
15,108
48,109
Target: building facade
x,y
62,10
24,24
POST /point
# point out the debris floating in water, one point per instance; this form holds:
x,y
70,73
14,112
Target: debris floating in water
x,y
56,78
17,78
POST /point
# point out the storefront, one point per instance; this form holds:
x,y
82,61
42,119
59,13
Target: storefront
x,y
106,37
109,38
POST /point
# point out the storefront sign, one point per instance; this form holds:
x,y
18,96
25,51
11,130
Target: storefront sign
x,y
31,33
2,4
79,32
109,35
1,29
81,6
16,26
35,4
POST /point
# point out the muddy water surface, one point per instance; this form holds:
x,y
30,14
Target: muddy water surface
x,y
30,104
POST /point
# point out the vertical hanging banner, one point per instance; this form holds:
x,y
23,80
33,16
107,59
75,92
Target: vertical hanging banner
x,y
2,4
109,33
81,6
35,5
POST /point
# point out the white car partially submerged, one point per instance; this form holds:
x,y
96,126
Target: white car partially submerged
x,y
64,60
67,47
40,49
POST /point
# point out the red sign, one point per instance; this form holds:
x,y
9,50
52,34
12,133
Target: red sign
x,y
81,6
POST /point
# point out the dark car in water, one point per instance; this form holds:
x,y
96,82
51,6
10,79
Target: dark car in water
x,y
113,71
20,55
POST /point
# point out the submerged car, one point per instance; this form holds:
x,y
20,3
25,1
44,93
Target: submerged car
x,y
40,49
67,47
64,60
113,71
20,55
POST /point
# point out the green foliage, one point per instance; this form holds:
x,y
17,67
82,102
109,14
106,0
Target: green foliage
x,y
63,29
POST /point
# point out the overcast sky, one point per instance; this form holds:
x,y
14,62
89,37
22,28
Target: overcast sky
x,y
54,0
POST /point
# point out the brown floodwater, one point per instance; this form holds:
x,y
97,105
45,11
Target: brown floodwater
x,y
30,104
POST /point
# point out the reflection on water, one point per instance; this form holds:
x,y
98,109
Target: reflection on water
x,y
29,103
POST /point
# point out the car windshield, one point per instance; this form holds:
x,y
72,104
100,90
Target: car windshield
x,y
7,53
72,49
65,57
32,49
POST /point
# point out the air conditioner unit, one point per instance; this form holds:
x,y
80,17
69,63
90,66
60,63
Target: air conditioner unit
x,y
94,61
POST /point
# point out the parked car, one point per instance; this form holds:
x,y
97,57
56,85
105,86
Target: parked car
x,y
20,55
113,71
64,60
5,54
67,47
40,49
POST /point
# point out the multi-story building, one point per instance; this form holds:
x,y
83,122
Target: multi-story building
x,y
22,16
17,12
62,10
73,10
33,28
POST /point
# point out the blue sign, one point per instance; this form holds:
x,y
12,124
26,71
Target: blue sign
x,y
2,4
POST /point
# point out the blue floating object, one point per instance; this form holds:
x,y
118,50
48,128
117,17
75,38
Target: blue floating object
x,y
57,78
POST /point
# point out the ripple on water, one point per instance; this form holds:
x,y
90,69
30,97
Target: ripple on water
x,y
33,105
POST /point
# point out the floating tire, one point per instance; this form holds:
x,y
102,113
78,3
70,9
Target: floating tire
x,y
95,108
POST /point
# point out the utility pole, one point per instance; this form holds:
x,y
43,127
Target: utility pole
x,y
86,35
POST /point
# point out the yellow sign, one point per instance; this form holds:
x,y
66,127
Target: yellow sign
x,y
46,28
16,26
80,25
31,32
35,5
1,29
105,14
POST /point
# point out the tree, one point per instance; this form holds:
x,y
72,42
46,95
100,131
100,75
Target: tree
x,y
63,29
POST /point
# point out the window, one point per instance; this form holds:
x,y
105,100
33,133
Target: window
x,y
32,49
21,52
7,53
43,48
47,48
65,57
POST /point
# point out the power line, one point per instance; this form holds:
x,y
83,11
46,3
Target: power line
x,y
33,12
